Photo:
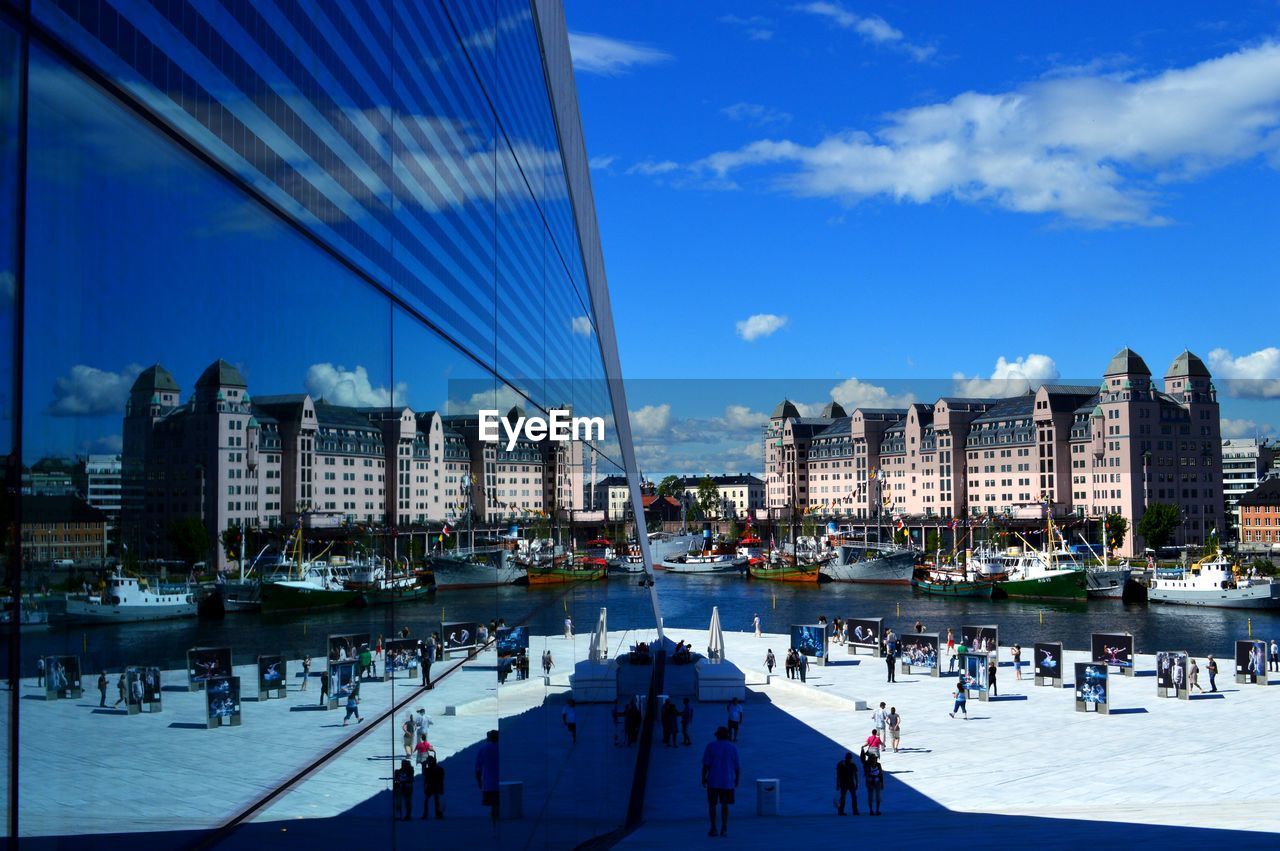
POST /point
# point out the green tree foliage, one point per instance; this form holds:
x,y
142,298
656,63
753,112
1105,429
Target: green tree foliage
x,y
1158,523
1117,528
708,497
189,538
669,486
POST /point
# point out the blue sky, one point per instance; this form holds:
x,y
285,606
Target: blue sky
x,y
910,191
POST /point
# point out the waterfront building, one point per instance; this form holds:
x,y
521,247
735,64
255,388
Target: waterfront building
x,y
1245,462
280,254
98,481
612,496
1260,517
49,477
739,496
1073,450
62,529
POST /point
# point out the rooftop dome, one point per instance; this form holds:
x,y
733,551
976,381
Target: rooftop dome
x,y
221,374
785,409
1187,365
833,411
155,378
1127,362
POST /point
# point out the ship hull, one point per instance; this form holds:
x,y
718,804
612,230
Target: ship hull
x,y
456,573
729,567
893,569
806,573
1260,597
84,612
954,589
564,575
277,597
1068,585
1106,582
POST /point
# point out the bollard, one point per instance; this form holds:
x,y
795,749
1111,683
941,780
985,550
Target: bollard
x,y
767,795
510,799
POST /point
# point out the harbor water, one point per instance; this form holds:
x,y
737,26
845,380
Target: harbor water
x,y
685,602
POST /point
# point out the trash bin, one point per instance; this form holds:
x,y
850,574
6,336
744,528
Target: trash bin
x,y
767,796
510,799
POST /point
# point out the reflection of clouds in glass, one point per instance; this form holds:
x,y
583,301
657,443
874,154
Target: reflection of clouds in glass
x,y
338,385
1252,376
8,287
111,444
581,325
89,391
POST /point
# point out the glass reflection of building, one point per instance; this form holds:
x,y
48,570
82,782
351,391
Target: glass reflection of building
x,y
274,256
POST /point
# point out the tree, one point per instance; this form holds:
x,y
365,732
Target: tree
x,y
1117,528
931,541
231,542
734,531
189,538
669,486
1158,522
708,497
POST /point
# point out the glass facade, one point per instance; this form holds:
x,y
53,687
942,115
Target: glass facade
x,y
267,261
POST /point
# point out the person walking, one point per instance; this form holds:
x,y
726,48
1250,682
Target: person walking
x,y
102,689
631,719
421,722
951,652
874,745
895,727
1212,667
1193,680
306,671
568,627
1275,656
353,708
366,662
433,786
803,666
686,719
1016,653
402,783
755,623
769,660
324,687
791,665
428,656
735,719
720,774
570,717
40,672
487,776
961,698
890,655
991,677
874,775
547,663
124,693
847,782
879,719
670,724
407,734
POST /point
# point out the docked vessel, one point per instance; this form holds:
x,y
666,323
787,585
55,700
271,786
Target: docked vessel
x,y
1106,581
777,569
1212,582
243,595
477,569
952,583
704,563
871,564
1043,575
125,600
307,587
380,582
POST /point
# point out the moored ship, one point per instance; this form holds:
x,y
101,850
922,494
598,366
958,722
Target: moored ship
x,y
125,600
1212,582
871,564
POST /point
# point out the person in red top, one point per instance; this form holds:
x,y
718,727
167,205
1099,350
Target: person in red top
x,y
874,743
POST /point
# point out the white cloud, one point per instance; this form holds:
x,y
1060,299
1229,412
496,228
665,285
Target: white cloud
x,y
581,325
1253,376
756,114
87,391
760,325
341,386
609,57
1009,378
652,168
651,419
853,393
601,163
109,444
1091,148
741,416
756,27
872,28
1244,428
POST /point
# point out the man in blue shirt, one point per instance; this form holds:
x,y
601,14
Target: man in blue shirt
x,y
720,773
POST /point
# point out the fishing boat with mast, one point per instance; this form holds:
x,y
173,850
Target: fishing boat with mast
x,y
548,564
299,584
1051,573
381,581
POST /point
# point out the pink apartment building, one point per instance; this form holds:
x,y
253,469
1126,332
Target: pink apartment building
x,y
1083,450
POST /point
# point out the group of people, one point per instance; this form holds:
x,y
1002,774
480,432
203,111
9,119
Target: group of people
x,y
847,772
683,653
796,664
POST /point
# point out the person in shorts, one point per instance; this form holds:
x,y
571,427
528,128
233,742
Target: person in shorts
x,y
720,774
487,776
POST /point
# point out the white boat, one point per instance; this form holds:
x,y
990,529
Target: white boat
x,y
125,601
704,563
1212,582
871,564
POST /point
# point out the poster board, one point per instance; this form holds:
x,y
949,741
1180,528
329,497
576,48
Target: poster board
x,y
1049,663
918,651
864,634
1113,650
222,702
810,640
344,679
981,639
346,646
1251,661
975,672
273,674
400,655
62,678
205,663
460,637
134,690
513,646
1173,674
1092,688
